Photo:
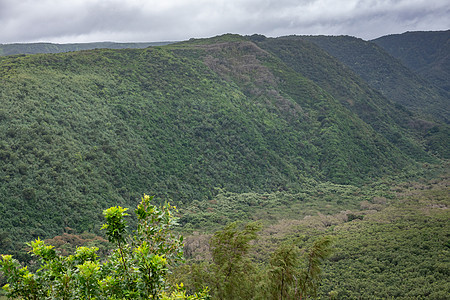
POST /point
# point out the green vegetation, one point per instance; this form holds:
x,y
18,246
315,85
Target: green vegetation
x,y
395,123
394,245
138,266
274,134
423,52
136,269
399,252
388,75
35,48
84,130
228,207
230,273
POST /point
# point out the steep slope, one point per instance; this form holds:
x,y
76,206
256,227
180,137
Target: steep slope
x,y
266,79
387,75
82,131
35,48
395,123
425,52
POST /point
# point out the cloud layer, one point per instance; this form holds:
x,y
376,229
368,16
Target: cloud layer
x,y
170,20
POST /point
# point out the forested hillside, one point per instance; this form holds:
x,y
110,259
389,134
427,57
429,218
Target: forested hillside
x,y
86,129
427,53
388,75
387,118
227,128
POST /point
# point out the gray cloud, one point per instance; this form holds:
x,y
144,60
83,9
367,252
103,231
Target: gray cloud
x,y
150,20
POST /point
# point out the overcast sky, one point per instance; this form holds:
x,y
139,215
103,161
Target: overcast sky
x,y
64,21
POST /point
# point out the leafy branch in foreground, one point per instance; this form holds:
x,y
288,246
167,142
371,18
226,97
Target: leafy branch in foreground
x,y
136,269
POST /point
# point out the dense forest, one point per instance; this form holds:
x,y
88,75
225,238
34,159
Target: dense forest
x,y
423,52
417,92
309,137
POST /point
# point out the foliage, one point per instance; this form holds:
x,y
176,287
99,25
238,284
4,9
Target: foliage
x,y
82,131
437,139
229,273
283,271
289,279
232,274
399,252
393,243
180,293
325,198
423,52
115,224
310,276
231,268
235,128
388,75
334,74
136,269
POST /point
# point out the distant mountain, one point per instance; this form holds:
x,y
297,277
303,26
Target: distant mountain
x,y
387,75
82,131
34,48
425,52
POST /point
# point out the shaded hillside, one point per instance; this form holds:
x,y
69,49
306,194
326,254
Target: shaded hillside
x,y
82,131
387,75
395,123
35,48
427,53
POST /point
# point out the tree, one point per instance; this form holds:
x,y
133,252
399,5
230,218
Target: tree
x,y
230,273
136,269
292,273
233,270
310,274
283,269
292,276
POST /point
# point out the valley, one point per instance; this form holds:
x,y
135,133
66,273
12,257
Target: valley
x,y
308,136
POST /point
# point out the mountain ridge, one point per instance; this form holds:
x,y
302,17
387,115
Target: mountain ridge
x,y
40,48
